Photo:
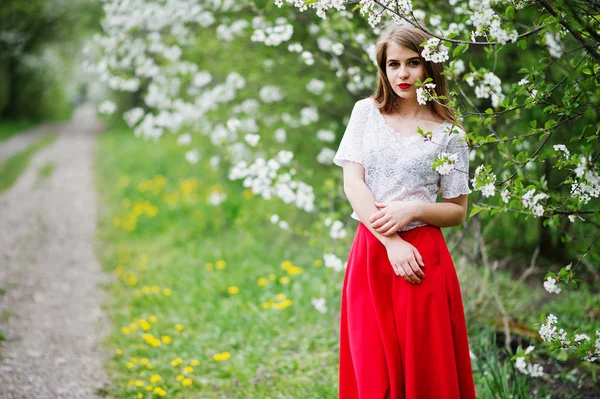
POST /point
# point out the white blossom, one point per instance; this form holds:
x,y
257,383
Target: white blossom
x,y
550,286
192,156
252,139
333,262
326,155
107,107
319,304
184,139
434,52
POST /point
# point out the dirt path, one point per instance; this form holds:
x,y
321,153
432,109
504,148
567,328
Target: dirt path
x,y
50,311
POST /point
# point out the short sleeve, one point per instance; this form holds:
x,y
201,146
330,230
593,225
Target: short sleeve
x,y
351,146
456,182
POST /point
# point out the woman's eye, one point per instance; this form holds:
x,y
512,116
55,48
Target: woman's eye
x,y
413,63
393,64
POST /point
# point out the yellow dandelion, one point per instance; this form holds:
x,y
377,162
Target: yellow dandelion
x,y
180,377
188,369
144,325
233,290
132,281
280,297
133,326
294,270
149,387
130,382
262,282
134,359
178,327
147,290
209,267
119,351
159,391
195,362
152,319
116,221
155,378
284,280
140,395
130,365
166,339
248,194
149,366
220,264
167,292
283,304
286,264
125,330
272,277
187,382
222,356
176,362
139,383
318,263
155,290
144,361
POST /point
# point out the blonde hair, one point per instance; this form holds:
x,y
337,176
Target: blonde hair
x,y
410,38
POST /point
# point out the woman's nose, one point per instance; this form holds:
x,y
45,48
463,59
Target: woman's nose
x,y
402,72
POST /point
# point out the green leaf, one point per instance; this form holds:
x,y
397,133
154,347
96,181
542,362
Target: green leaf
x,y
510,12
356,7
459,50
309,2
476,209
522,43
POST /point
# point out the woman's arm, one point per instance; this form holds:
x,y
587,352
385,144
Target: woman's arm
x,y
394,215
404,258
361,198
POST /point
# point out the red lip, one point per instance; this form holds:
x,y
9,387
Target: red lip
x,y
404,86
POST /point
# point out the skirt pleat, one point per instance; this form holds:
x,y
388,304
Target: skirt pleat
x,y
399,340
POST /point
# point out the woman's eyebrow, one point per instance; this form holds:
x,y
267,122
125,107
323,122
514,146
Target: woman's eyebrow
x,y
410,59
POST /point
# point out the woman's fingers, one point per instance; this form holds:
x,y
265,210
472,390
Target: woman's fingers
x,y
416,269
418,257
412,277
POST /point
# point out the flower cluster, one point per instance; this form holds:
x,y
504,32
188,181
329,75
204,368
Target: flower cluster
x,y
271,35
444,163
333,262
531,200
337,230
261,176
319,304
484,180
434,51
587,183
487,85
424,93
534,370
550,286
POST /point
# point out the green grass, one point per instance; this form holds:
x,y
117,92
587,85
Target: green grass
x,y
13,167
10,128
162,242
288,352
45,171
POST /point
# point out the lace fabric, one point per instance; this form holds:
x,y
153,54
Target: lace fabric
x,y
399,168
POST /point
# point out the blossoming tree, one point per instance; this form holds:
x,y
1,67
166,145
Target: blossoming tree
x,y
525,79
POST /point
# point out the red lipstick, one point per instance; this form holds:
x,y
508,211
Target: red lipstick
x,y
404,86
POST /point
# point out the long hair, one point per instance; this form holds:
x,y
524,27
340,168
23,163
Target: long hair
x,y
410,38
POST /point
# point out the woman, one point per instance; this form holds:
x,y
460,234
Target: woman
x,y
403,332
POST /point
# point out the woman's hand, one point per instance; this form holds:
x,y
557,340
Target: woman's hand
x,y
406,261
394,215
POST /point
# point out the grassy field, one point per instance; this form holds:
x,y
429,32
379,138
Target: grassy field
x,y
216,301
14,166
10,128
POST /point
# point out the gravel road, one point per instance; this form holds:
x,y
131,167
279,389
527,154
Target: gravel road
x,y
50,309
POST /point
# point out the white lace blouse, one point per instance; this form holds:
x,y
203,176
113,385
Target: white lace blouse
x,y
399,168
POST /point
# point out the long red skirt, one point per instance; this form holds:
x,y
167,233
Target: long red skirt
x,y
400,340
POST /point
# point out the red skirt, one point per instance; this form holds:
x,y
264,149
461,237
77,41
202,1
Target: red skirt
x,y
400,340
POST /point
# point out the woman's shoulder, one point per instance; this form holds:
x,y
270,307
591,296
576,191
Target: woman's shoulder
x,y
365,103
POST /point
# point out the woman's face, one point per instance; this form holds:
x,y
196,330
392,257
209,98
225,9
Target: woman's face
x,y
403,67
